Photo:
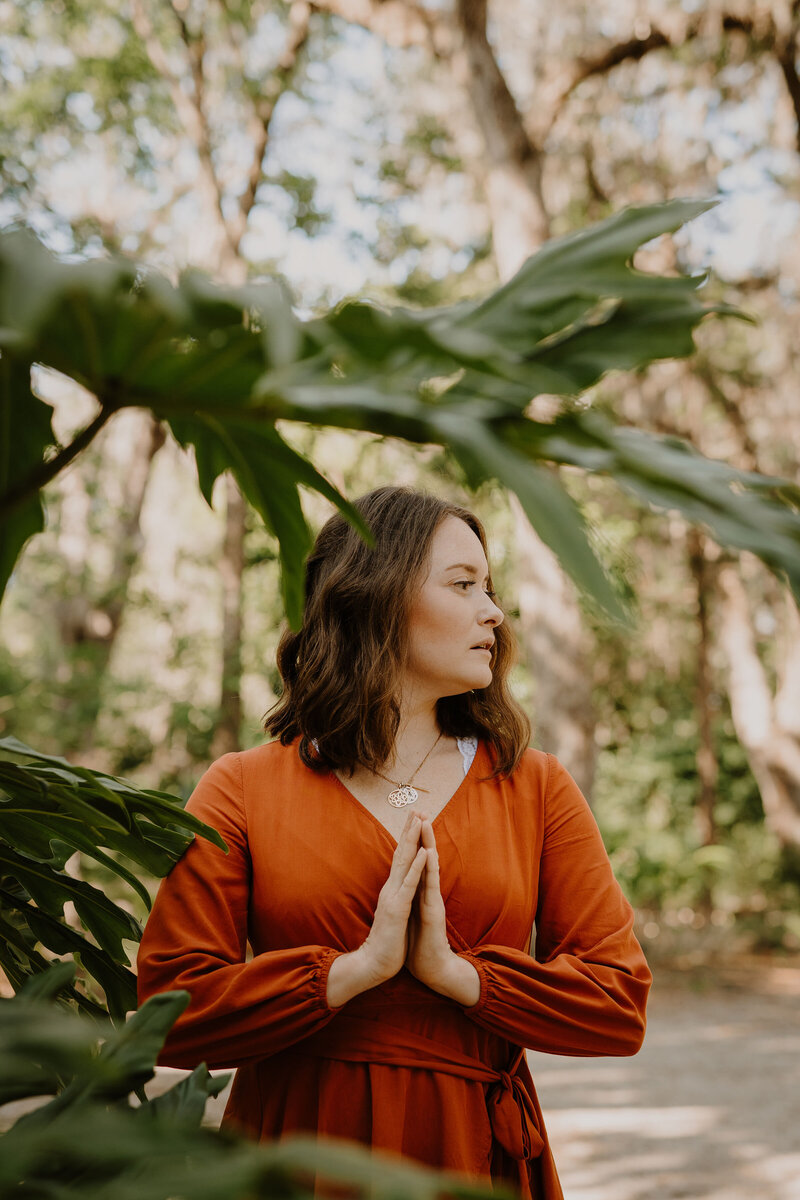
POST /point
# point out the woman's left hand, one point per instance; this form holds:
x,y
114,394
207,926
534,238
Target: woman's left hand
x,y
429,956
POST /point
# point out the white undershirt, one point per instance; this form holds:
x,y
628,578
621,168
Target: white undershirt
x,y
469,748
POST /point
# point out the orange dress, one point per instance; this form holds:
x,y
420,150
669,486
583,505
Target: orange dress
x,y
399,1067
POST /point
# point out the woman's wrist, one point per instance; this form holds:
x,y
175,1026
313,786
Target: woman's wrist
x,y
459,981
348,976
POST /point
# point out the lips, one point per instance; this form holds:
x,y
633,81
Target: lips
x,y
482,646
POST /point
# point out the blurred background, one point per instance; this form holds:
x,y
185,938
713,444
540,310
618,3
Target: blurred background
x,y
416,153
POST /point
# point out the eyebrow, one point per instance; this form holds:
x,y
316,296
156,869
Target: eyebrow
x,y
465,567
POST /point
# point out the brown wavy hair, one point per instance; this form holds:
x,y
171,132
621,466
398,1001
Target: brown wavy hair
x,y
341,671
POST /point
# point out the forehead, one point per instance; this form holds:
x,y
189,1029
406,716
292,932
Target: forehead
x,y
454,542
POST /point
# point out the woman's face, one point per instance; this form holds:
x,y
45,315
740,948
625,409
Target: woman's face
x,y
451,616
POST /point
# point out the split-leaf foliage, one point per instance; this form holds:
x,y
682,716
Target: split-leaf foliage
x,y
90,1139
49,810
222,366
226,369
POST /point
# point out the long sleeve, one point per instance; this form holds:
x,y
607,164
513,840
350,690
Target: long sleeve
x,y
585,991
196,938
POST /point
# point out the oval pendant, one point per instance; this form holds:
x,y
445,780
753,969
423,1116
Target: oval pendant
x,y
405,794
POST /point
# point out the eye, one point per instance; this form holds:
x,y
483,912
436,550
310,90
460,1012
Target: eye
x,y
464,583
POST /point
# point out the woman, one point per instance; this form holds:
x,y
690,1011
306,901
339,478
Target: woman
x,y
388,856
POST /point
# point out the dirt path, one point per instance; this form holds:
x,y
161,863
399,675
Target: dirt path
x,y
708,1110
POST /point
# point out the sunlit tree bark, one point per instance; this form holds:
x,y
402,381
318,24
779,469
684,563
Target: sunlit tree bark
x,y
83,618
190,89
707,766
557,645
767,721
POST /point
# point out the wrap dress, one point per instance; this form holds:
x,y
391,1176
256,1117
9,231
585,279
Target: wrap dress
x,y
398,1067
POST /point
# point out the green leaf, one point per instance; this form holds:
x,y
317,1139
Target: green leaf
x,y
48,985
147,819
740,508
50,890
35,833
185,1103
268,472
341,1162
131,1051
125,1061
223,365
549,508
19,958
116,980
40,1046
555,288
25,434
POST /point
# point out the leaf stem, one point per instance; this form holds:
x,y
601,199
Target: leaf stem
x,y
41,475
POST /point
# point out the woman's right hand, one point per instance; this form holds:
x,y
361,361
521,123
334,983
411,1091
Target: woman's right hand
x,y
383,952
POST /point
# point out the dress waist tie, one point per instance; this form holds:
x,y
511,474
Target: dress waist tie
x,y
509,1104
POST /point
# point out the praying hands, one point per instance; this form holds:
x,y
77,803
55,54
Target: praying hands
x,y
409,929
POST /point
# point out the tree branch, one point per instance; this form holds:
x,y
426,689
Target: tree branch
x,y
786,54
400,23
195,45
705,373
190,108
187,113
264,108
679,32
513,168
609,57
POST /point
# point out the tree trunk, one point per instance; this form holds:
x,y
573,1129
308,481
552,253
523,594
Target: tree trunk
x,y
706,758
707,768
559,649
513,172
556,644
81,619
84,619
226,734
768,727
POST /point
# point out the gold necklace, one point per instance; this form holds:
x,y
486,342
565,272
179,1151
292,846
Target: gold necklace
x,y
404,793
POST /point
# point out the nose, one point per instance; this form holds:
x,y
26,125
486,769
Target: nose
x,y
493,615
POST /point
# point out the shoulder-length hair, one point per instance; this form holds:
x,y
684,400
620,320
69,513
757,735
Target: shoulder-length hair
x,y
342,671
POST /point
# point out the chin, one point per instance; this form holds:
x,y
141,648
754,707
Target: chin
x,y
486,679
474,685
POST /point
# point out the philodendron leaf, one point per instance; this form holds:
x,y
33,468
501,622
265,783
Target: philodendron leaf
x,y
21,962
131,1050
25,434
116,979
125,1062
25,967
112,808
550,509
50,890
567,278
40,1046
223,365
50,808
185,1103
740,508
50,984
268,472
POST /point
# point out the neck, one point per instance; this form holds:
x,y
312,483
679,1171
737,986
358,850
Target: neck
x,y
417,732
